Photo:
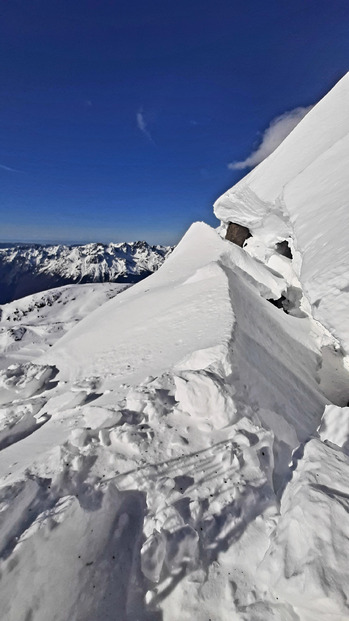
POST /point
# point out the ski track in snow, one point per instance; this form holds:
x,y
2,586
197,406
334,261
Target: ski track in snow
x,y
180,452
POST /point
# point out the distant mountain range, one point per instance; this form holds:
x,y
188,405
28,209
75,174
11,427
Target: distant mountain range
x,y
27,269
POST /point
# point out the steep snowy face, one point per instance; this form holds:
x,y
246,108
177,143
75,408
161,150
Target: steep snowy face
x,y
30,269
300,193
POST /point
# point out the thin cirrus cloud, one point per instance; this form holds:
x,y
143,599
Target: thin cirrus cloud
x,y
273,136
142,124
3,167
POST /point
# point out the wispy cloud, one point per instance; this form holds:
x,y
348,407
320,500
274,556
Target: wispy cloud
x,y
8,168
142,124
273,136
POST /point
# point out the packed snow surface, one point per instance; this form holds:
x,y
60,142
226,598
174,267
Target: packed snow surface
x,y
180,451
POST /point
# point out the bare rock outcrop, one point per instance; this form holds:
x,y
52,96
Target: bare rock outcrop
x,y
237,233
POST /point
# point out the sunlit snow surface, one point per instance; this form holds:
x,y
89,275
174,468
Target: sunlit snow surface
x,y
178,451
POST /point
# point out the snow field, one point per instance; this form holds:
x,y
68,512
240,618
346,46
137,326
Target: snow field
x,y
29,326
193,458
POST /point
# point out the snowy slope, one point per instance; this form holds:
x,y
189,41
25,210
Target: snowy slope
x,y
30,269
181,453
301,192
29,326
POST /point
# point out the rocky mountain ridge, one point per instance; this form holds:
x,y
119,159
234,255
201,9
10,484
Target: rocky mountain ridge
x,y
28,269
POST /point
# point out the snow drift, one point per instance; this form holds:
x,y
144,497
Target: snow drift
x,y
181,452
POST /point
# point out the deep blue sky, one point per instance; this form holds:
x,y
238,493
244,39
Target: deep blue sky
x,y
204,77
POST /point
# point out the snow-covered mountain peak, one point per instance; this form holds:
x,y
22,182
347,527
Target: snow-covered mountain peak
x,y
30,269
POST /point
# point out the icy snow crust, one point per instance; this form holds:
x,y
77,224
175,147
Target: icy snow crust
x,y
181,452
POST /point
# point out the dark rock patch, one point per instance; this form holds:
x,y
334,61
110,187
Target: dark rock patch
x,y
279,303
284,249
237,233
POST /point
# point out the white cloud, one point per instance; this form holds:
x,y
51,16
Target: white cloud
x,y
142,124
277,131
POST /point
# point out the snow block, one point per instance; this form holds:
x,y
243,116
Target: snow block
x,y
307,563
237,233
204,395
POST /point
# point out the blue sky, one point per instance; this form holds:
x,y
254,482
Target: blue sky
x,y
119,118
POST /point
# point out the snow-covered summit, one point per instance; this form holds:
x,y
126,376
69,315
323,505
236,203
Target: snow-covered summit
x,y
300,192
30,269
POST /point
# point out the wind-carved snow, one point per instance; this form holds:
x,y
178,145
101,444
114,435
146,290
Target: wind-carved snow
x,y
301,192
182,451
